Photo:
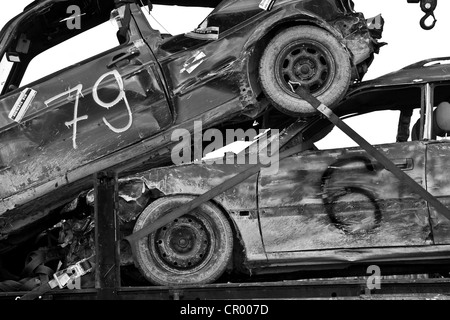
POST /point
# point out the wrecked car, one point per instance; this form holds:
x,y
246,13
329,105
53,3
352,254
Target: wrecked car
x,y
329,209
117,109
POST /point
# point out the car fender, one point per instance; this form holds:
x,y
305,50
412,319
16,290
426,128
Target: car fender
x,y
290,18
267,29
239,204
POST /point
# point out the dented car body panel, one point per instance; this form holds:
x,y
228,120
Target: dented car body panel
x,y
380,210
44,132
243,25
118,109
240,202
296,212
195,73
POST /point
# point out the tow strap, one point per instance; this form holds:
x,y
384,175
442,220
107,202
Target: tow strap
x,y
62,278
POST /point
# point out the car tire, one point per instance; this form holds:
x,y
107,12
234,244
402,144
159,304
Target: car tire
x,y
310,56
194,249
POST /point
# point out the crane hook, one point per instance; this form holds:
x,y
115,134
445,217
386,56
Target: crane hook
x,y
428,6
423,21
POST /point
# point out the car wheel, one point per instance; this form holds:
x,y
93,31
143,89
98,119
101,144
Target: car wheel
x,y
310,56
193,249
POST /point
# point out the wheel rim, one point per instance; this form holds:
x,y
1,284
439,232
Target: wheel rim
x,y
184,245
307,62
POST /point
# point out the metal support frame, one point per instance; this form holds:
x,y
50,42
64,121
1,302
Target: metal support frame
x,y
107,272
326,289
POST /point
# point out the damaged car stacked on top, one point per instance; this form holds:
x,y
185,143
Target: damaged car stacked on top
x,y
118,109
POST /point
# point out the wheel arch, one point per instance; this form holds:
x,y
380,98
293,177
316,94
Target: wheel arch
x,y
239,250
258,42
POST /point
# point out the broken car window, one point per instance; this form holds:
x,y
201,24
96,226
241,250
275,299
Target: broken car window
x,y
174,20
76,49
379,127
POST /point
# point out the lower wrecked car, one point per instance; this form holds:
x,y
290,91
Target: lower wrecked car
x,y
322,209
118,108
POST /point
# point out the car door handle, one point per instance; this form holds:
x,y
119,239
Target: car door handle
x,y
404,164
121,57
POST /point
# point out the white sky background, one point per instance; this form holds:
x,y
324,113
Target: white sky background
x,y
407,43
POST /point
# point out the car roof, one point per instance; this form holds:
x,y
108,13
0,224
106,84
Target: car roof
x,y
107,5
187,3
399,89
53,9
425,71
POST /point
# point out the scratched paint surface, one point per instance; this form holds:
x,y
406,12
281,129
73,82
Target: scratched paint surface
x,y
225,71
44,145
438,180
196,179
346,257
356,204
307,206
311,214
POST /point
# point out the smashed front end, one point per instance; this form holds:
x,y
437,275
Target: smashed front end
x,y
360,36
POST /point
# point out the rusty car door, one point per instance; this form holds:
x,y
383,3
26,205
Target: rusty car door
x,y
80,114
342,199
438,183
436,134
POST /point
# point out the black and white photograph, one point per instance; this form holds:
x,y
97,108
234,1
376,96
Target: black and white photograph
x,y
224,158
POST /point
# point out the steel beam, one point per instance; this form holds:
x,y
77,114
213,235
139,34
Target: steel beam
x,y
107,273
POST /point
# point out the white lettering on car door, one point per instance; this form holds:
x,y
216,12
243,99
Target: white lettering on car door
x,y
109,105
74,123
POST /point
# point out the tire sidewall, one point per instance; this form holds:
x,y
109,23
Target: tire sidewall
x,y
218,256
290,104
